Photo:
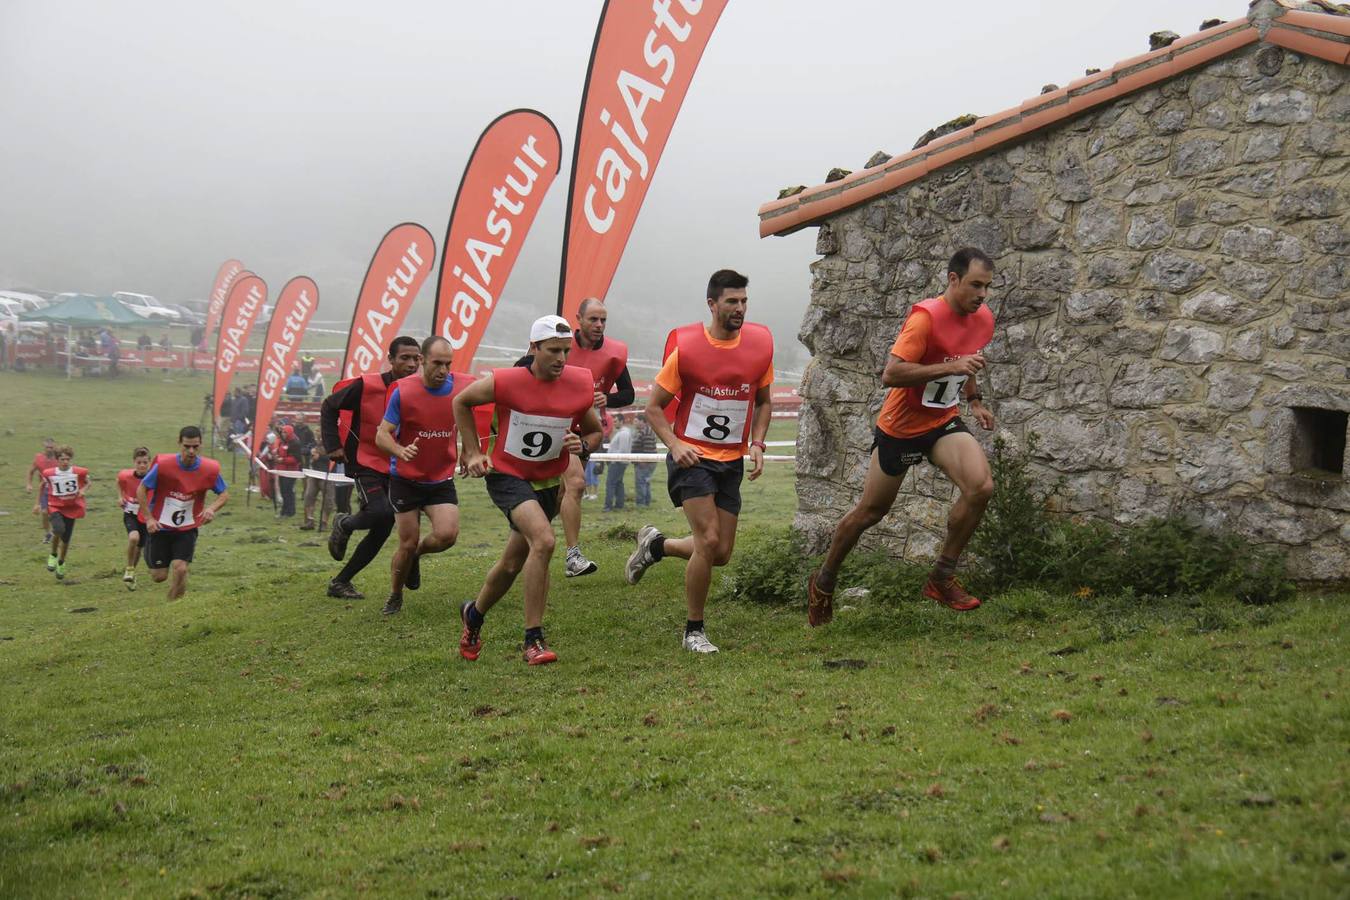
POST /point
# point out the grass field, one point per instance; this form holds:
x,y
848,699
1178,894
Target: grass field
x,y
257,739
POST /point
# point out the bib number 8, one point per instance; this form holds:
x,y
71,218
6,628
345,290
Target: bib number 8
x,y
535,444
943,393
715,421
718,428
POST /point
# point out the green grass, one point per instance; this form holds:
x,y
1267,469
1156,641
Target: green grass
x,y
259,740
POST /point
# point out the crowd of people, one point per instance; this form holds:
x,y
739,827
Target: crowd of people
x,y
529,431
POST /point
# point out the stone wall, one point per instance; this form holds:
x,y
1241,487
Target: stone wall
x,y
1172,283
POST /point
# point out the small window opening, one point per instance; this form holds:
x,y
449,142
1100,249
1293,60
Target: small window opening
x,y
1318,447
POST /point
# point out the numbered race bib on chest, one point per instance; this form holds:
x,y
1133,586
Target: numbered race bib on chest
x,y
177,513
716,421
943,393
535,438
64,485
130,507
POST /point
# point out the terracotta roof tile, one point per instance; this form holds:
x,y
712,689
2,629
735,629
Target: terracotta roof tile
x,y
1317,34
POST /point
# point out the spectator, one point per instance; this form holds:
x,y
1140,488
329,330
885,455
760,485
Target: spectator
x,y
288,460
296,386
143,343
318,388
644,441
166,346
620,441
592,473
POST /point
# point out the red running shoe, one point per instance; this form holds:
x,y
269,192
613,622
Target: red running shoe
x,y
469,641
950,594
537,653
819,603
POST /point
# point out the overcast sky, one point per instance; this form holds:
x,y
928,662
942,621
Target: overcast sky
x,y
145,142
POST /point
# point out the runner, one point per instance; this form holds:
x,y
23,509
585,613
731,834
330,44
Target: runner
x,y
538,410
422,471
133,518
934,362
364,399
179,482
607,360
44,460
721,374
66,486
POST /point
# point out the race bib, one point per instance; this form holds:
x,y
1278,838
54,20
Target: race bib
x,y
176,513
535,438
716,421
130,507
64,485
943,393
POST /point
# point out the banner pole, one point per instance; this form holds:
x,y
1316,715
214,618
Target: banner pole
x,y
323,504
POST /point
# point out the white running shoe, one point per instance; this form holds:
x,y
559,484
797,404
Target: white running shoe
x,y
577,564
697,642
641,559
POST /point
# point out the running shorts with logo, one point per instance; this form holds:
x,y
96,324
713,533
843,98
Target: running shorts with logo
x,y
895,455
408,496
132,522
167,546
719,478
508,492
372,489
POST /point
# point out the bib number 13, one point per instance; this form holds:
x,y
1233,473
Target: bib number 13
x,y
943,393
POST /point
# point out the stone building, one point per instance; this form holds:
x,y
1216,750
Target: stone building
x,y
1172,240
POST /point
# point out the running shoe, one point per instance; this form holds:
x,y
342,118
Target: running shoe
x,y
51,562
641,559
538,654
60,570
697,642
308,525
819,603
338,537
393,605
343,590
129,578
47,538
577,564
414,579
950,594
470,642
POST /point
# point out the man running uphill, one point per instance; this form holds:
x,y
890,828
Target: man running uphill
x,y
133,515
174,492
422,471
364,399
721,374
536,408
66,485
934,363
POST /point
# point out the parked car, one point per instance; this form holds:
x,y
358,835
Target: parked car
x,y
147,307
10,309
30,302
187,316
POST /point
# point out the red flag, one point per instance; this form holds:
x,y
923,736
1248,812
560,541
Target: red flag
x,y
290,317
242,307
395,275
642,62
230,269
511,168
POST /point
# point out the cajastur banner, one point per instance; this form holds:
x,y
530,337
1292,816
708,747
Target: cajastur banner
x,y
642,62
230,269
243,305
511,168
296,303
401,263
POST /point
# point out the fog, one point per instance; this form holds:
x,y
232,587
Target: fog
x,y
145,142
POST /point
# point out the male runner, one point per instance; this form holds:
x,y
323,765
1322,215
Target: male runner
x,y
422,471
174,494
133,517
364,400
44,460
721,375
66,485
537,409
934,362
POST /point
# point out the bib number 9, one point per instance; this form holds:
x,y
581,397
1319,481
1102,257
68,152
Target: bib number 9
x,y
716,421
535,438
534,444
943,393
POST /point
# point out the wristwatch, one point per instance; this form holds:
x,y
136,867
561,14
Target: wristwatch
x,y
585,453
974,397
760,444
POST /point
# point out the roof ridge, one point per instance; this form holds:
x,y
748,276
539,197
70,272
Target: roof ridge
x,y
1325,35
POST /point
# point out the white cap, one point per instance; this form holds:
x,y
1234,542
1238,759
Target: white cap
x,y
546,327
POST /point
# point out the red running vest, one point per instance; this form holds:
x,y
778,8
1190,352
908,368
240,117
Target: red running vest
x,y
179,495
63,490
717,394
430,421
127,483
533,417
605,364
374,400
952,335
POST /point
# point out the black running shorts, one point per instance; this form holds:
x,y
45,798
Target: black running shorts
x,y
132,523
167,546
62,526
508,492
896,455
407,496
720,479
